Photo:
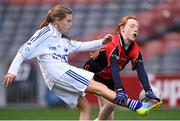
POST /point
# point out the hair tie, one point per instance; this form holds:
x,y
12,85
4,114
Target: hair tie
x,y
49,11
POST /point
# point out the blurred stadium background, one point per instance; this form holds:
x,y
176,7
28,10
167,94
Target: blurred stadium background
x,y
159,39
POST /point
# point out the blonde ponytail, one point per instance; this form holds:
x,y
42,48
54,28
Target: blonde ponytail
x,y
47,20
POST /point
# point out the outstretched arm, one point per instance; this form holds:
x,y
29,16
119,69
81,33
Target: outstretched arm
x,y
114,59
27,51
142,75
91,45
121,97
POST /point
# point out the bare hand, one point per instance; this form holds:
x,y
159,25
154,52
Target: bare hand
x,y
8,78
107,39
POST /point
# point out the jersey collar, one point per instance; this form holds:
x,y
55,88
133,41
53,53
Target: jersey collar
x,y
56,33
123,44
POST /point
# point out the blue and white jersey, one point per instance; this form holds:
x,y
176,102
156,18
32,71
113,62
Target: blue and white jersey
x,y
51,51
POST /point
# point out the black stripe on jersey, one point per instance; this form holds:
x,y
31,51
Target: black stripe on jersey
x,y
123,45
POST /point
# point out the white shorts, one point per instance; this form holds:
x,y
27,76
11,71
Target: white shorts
x,y
71,85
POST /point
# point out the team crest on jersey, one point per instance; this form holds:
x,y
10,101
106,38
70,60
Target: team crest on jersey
x,y
65,49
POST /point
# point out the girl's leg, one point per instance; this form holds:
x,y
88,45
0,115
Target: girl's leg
x,y
84,108
99,89
106,111
134,105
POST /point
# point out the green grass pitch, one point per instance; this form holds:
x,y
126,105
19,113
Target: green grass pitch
x,y
73,114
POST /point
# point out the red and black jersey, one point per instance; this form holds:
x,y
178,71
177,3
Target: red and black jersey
x,y
131,54
101,65
125,55
114,54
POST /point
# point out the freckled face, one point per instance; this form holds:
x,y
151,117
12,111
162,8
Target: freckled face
x,y
131,29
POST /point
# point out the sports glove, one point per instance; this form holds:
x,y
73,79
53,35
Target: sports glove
x,y
121,97
150,94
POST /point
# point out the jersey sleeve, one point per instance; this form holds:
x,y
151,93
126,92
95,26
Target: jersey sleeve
x,y
91,65
86,46
28,50
98,64
15,65
111,47
109,50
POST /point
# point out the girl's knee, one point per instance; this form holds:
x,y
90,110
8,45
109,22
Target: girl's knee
x,y
110,106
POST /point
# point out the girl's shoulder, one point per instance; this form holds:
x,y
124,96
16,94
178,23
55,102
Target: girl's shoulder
x,y
44,31
41,34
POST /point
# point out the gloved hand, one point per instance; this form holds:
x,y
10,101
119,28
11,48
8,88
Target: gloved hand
x,y
121,97
150,94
